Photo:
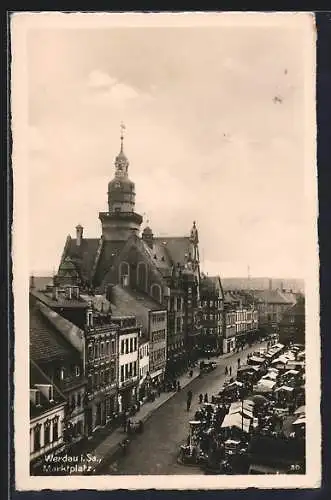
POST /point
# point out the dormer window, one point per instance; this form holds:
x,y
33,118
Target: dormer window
x,y
77,371
61,373
50,393
89,319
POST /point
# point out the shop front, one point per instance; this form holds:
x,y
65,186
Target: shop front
x,y
229,345
127,395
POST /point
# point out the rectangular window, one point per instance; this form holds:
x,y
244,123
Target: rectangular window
x,y
122,347
131,344
89,383
113,347
126,371
107,348
77,371
126,346
55,430
90,353
135,368
36,438
47,433
122,373
112,374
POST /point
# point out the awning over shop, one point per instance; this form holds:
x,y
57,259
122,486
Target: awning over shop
x,y
270,376
257,359
278,346
300,411
238,405
248,413
284,388
279,361
236,420
300,421
249,368
264,386
291,372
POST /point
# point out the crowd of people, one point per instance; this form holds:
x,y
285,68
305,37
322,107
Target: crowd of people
x,y
226,424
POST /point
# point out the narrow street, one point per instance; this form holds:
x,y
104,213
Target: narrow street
x,y
156,450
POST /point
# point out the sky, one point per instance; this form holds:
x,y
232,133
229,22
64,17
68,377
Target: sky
x,y
214,133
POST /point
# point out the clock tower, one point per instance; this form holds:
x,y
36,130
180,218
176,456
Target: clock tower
x,y
121,221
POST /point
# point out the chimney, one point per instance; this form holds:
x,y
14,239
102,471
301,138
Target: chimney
x,y
79,235
55,293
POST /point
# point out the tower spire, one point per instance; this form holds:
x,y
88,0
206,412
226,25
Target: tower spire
x,y
122,135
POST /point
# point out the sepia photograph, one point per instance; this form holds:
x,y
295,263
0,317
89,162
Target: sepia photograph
x,y
165,251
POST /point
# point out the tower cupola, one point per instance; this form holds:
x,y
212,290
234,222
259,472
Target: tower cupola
x,y
121,191
120,221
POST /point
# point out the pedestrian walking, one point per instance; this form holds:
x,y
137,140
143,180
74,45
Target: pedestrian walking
x,y
189,400
128,427
238,362
226,370
200,399
230,370
124,422
206,398
191,373
178,386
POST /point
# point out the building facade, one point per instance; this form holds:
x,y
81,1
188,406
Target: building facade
x,y
101,335
271,305
212,316
47,415
62,363
157,345
161,268
128,364
293,324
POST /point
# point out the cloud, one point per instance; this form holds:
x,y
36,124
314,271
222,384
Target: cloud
x,y
100,80
103,89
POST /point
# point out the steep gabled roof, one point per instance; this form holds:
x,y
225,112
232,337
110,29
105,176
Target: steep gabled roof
x,y
46,342
272,297
38,377
82,255
211,283
176,247
109,253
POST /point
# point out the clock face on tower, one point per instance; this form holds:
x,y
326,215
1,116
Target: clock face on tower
x,y
118,185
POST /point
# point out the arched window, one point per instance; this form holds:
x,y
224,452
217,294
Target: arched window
x,y
124,274
156,292
142,276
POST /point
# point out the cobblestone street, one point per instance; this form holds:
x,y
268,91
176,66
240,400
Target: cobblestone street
x,y
156,450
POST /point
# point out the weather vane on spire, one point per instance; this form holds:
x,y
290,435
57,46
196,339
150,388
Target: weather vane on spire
x,y
122,134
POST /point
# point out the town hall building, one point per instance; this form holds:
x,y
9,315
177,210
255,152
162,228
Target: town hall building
x,y
164,269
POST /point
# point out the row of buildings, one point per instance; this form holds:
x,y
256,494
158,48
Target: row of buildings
x,y
124,312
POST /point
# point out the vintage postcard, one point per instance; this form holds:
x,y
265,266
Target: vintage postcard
x,y
165,251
